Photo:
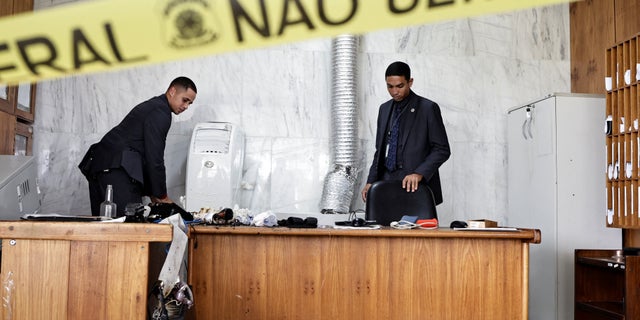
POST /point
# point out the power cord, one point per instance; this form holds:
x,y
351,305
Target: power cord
x,y
353,214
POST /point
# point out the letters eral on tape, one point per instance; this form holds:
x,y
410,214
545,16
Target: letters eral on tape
x,y
114,34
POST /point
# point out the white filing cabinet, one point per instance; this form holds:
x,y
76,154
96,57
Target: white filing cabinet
x,y
556,183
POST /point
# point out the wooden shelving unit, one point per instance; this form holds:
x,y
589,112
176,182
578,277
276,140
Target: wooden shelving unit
x,y
606,285
606,282
17,102
622,142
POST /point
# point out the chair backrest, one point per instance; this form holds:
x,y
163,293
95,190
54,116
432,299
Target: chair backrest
x,y
387,201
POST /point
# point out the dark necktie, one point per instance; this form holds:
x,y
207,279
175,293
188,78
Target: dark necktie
x,y
392,139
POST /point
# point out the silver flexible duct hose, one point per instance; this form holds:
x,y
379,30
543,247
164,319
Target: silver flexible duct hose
x,y
340,182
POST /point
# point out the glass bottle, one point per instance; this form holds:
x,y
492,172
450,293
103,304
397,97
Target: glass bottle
x,y
108,207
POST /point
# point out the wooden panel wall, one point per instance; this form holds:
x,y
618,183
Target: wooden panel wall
x,y
595,26
6,8
627,19
592,32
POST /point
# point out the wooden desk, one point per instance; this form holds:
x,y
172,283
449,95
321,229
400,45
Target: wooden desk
x,y
281,273
76,270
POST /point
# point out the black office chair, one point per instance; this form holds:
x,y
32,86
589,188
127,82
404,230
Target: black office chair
x,y
387,201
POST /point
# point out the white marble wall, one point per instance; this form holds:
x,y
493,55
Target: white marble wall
x,y
474,68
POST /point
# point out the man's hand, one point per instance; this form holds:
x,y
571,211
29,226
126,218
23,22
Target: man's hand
x,y
166,199
364,191
410,182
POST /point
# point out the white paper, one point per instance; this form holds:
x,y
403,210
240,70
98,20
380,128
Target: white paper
x,y
170,273
627,77
487,229
368,227
624,202
633,188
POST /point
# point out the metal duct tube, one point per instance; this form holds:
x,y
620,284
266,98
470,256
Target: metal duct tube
x,y
340,182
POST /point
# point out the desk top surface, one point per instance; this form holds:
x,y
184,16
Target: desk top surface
x,y
86,231
152,232
525,235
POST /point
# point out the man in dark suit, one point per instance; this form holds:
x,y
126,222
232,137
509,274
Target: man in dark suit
x,y
130,157
411,140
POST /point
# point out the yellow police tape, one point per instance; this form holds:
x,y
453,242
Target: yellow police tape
x,y
114,34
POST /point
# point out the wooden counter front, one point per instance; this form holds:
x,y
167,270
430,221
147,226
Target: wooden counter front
x,y
282,273
76,270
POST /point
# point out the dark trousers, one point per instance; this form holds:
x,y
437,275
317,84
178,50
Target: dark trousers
x,y
125,190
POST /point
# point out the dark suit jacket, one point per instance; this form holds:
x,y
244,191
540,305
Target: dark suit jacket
x,y
136,145
423,145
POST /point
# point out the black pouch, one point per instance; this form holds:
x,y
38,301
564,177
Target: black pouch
x,y
295,222
164,210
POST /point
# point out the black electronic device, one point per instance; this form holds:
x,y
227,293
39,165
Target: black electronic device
x,y
458,224
387,201
357,222
296,222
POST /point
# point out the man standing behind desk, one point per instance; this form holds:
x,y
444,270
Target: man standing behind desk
x,y
130,157
411,140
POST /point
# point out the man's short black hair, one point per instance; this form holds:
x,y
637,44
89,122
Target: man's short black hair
x,y
398,68
184,82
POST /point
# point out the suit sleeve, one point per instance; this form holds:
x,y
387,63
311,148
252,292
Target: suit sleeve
x,y
373,170
156,128
439,150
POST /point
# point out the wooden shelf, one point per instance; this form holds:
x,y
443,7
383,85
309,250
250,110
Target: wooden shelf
x,y
622,140
605,285
603,262
599,310
17,106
